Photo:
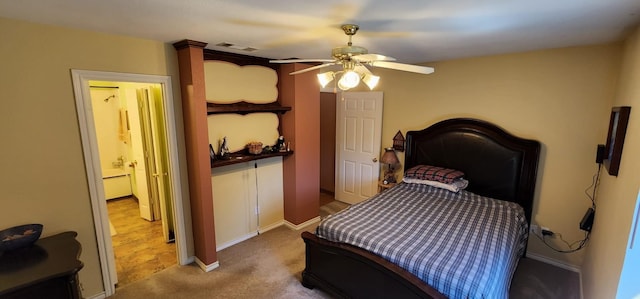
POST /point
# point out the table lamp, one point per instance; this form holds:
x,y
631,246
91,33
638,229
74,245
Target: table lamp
x,y
389,157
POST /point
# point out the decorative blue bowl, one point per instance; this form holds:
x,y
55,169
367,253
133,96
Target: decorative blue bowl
x,y
19,236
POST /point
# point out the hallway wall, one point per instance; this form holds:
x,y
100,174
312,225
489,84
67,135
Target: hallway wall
x,y
327,141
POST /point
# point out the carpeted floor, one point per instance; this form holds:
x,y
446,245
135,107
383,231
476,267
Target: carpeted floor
x,y
270,266
331,208
266,266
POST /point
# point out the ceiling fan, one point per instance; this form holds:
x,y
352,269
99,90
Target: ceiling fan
x,y
355,61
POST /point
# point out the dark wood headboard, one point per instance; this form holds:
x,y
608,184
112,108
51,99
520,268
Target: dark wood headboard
x,y
497,164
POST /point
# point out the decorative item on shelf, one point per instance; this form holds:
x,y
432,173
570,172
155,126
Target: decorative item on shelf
x,y
280,145
212,154
398,142
224,149
254,148
19,236
389,157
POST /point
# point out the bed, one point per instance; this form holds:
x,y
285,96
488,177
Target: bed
x,y
498,166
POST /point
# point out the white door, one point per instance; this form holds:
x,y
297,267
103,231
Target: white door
x,y
145,167
138,161
358,134
161,152
270,194
234,199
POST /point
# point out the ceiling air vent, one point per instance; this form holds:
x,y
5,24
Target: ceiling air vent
x,y
237,47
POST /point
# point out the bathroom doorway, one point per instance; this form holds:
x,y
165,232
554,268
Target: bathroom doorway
x,y
153,92
129,124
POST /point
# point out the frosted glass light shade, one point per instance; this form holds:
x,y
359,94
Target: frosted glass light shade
x,y
350,79
325,78
342,86
371,80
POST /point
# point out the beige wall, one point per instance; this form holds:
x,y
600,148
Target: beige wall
x,y
560,97
617,195
43,176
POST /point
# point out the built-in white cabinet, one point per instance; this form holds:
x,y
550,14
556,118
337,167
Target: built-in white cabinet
x,y
247,199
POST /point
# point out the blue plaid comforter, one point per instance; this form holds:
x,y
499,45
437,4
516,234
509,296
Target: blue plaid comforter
x,y
462,244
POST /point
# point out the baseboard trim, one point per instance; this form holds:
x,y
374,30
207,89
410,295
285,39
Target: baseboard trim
x,y
270,227
100,295
301,225
205,267
236,241
556,263
327,192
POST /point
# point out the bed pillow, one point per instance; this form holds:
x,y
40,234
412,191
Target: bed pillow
x,y
433,173
455,186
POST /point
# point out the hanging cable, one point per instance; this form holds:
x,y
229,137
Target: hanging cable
x,y
255,167
580,243
594,184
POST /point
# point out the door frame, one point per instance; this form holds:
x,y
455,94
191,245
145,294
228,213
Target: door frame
x,y
88,136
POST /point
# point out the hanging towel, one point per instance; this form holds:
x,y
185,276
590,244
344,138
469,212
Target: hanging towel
x,y
123,128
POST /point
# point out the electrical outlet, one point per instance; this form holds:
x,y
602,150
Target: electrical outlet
x,y
535,229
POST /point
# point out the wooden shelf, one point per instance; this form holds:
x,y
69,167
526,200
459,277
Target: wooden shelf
x,y
237,158
245,108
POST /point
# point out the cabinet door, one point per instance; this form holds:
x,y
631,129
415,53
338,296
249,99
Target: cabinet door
x,y
270,193
234,201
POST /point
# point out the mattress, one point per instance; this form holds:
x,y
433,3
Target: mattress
x,y
462,244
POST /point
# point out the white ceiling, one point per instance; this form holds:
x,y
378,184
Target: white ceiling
x,y
412,31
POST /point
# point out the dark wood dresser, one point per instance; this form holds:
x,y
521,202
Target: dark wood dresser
x,y
48,269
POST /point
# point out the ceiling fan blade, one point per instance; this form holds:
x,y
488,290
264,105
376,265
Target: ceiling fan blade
x,y
361,69
372,57
300,60
403,67
312,68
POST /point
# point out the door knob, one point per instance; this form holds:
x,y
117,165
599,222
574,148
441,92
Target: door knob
x,y
374,160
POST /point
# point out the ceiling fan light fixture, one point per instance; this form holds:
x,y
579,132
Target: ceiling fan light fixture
x,y
325,78
342,86
371,80
354,61
349,79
